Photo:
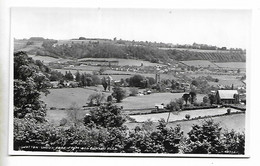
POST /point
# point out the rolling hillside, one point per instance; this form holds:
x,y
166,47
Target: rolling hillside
x,y
111,49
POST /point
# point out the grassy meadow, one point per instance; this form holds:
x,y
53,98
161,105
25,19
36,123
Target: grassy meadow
x,y
181,115
230,122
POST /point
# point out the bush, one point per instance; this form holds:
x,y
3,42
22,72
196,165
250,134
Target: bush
x,y
205,139
173,106
234,142
109,98
205,99
228,111
63,122
107,115
96,99
196,104
118,93
187,116
133,91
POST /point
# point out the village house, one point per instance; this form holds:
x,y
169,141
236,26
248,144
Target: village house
x,y
226,96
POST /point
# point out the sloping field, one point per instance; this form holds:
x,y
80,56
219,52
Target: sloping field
x,y
232,65
21,45
64,98
229,122
124,62
199,63
45,59
181,115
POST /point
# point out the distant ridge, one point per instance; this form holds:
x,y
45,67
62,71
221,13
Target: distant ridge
x,y
106,48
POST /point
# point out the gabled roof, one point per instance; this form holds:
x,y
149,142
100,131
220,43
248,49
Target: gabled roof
x,y
227,94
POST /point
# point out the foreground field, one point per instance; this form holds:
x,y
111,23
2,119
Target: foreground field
x,y
229,122
181,115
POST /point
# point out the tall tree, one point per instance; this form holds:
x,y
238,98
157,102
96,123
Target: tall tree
x,y
29,83
104,83
118,93
186,97
192,97
78,76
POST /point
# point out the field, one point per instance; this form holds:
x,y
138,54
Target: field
x,y
54,116
125,62
21,45
149,101
181,115
229,122
64,98
199,63
226,80
45,59
232,65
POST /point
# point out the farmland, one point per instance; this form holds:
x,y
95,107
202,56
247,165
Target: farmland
x,y
64,98
181,115
230,122
45,59
232,65
199,63
149,101
141,93
125,62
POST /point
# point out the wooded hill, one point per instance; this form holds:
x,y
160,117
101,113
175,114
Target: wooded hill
x,y
118,49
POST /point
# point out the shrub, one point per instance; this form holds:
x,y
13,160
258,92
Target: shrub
x,y
228,111
234,142
74,115
196,104
109,98
187,116
107,115
118,93
96,99
63,122
173,106
205,139
133,91
205,99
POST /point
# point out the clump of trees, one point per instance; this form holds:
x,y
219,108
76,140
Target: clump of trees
x,y
191,97
107,115
140,81
118,93
29,82
96,99
133,91
207,138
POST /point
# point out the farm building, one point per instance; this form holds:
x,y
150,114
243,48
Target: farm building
x,y
226,96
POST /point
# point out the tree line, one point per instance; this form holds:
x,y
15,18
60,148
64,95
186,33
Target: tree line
x,y
144,52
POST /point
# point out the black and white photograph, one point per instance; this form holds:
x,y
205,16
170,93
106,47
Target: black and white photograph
x,y
129,82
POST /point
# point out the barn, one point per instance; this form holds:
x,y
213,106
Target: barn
x,y
226,96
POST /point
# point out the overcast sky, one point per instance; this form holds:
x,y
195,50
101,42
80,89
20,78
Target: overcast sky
x,y
229,28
